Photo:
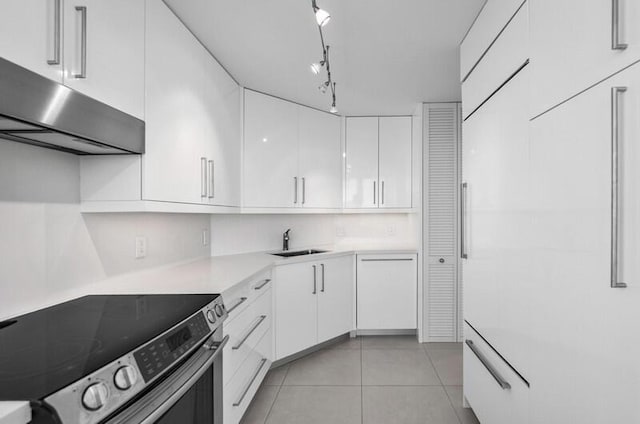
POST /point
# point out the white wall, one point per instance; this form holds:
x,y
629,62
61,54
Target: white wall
x,y
231,234
48,249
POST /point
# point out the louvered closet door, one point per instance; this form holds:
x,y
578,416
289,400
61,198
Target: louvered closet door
x,y
443,320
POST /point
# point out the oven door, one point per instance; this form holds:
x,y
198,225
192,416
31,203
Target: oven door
x,y
190,395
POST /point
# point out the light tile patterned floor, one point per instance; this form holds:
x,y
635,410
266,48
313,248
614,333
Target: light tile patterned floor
x,y
367,380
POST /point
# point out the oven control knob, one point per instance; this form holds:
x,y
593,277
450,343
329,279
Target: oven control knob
x,y
211,316
95,396
125,377
219,308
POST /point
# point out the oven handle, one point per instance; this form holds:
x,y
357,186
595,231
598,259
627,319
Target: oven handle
x,y
163,397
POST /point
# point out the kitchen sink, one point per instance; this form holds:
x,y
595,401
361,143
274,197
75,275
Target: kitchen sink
x,y
299,253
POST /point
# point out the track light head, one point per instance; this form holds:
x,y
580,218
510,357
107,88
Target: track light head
x,y
333,109
322,16
317,67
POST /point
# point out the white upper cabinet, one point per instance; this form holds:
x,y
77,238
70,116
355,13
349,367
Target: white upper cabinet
x,y
320,159
270,152
574,46
394,162
579,319
361,172
378,162
104,51
176,110
93,46
291,155
31,35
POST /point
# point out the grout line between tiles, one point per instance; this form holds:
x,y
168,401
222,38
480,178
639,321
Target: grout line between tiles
x,y
434,367
455,410
361,387
275,399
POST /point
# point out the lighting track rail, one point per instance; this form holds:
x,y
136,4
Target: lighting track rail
x,y
322,18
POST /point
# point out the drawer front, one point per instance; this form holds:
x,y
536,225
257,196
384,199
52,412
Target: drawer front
x,y
245,332
242,388
240,297
503,59
491,20
494,391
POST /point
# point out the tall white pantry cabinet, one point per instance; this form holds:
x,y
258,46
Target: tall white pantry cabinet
x,y
550,214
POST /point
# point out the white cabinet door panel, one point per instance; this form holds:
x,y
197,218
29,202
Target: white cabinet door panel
x,y
572,46
336,292
394,160
176,108
115,48
387,292
361,162
270,152
28,35
583,330
497,221
320,161
296,308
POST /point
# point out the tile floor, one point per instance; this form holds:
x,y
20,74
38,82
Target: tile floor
x,y
366,380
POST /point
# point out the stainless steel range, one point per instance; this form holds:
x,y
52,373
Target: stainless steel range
x,y
117,359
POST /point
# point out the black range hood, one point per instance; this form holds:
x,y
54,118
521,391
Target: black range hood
x,y
42,112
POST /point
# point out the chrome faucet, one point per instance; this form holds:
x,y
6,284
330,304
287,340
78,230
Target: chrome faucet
x,y
285,240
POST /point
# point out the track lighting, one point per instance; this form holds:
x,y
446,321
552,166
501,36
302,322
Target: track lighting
x,y
317,67
322,16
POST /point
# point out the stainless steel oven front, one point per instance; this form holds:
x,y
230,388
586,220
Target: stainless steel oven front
x,y
192,394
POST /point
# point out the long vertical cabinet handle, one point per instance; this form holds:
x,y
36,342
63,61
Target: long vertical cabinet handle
x,y
212,192
295,190
322,281
315,280
374,192
463,212
203,177
57,35
83,42
382,194
616,92
304,191
615,27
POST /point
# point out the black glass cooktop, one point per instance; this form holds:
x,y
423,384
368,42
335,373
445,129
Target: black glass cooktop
x,y
44,351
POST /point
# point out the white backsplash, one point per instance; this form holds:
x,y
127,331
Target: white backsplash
x,y
231,234
48,249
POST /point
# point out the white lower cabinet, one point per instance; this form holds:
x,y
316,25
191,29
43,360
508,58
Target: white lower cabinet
x,y
249,351
313,303
497,394
387,291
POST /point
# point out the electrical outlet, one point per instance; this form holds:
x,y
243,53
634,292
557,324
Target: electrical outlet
x,y
141,247
205,237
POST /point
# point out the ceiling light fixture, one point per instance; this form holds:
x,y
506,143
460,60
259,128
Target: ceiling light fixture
x,y
322,18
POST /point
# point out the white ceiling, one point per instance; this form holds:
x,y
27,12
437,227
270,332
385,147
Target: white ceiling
x,y
386,55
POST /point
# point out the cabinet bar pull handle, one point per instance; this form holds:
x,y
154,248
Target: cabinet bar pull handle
x,y
57,28
304,191
212,192
83,43
463,212
374,192
246,389
251,330
382,195
203,177
616,92
322,268
264,283
615,27
495,374
295,190
315,282
238,303
387,260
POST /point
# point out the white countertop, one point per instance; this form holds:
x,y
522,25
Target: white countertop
x,y
215,274
15,412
